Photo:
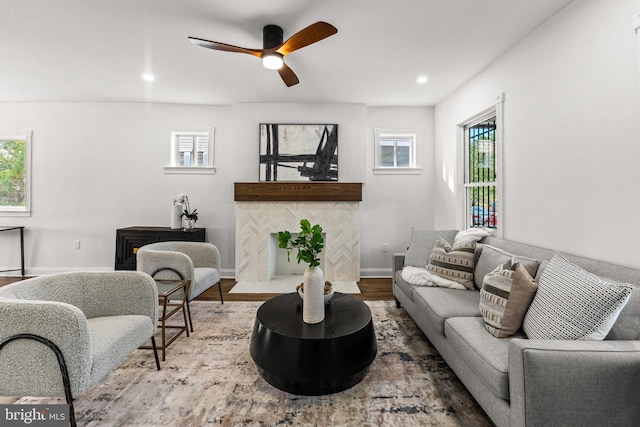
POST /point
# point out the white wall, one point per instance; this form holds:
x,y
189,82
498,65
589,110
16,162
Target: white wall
x,y
99,166
572,138
395,203
572,145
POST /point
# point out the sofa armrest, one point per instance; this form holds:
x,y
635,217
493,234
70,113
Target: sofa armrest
x,y
585,383
397,260
28,367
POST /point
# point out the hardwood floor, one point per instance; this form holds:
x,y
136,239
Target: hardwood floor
x,y
372,289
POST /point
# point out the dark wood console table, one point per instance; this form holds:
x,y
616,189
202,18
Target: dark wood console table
x,y
21,228
130,239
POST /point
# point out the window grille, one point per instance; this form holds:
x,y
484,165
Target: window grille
x,y
481,174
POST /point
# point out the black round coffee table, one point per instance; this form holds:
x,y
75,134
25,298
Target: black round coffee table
x,y
312,360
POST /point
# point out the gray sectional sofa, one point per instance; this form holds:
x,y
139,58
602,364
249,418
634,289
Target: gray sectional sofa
x,y
526,382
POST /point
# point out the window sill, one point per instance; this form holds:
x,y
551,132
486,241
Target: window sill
x,y
199,170
9,213
397,171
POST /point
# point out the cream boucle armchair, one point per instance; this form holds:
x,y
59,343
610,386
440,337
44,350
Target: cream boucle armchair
x,y
62,334
198,262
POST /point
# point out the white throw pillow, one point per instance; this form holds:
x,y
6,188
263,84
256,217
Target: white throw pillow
x,y
573,304
473,233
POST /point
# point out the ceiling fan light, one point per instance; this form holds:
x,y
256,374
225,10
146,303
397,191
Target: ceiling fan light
x,y
272,61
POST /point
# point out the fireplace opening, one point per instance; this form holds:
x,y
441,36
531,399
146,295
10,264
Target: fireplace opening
x,y
280,267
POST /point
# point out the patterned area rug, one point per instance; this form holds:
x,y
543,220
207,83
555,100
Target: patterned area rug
x,y
209,378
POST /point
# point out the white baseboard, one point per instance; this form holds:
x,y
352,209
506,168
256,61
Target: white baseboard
x,y
376,272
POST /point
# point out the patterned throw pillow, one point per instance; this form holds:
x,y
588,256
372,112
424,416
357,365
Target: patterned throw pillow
x,y
573,304
505,298
453,263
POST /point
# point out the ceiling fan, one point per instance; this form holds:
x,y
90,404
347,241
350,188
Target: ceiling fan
x,y
273,49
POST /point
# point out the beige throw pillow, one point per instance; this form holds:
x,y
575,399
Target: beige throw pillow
x,y
453,262
505,298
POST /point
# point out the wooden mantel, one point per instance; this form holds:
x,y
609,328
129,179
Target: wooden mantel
x,y
302,191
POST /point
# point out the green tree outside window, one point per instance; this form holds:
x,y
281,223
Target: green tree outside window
x,y
12,173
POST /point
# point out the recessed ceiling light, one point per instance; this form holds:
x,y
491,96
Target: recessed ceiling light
x,y
148,77
422,79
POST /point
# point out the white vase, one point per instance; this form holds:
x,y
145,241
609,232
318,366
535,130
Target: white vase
x,y
176,216
313,298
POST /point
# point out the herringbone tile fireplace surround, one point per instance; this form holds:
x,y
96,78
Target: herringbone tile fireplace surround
x,y
257,222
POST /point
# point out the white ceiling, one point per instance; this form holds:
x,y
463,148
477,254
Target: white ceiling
x,y
97,50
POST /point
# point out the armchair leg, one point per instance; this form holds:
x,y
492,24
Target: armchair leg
x,y
61,363
189,315
155,351
220,289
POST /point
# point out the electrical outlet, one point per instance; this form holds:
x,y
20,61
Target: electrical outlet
x,y
76,244
385,248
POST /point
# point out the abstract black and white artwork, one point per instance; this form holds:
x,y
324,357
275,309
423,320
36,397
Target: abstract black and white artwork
x,y
298,152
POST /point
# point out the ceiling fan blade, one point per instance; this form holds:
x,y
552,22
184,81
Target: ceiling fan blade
x,y
288,76
224,47
311,34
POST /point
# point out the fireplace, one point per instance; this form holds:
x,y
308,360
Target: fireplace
x,y
279,265
261,212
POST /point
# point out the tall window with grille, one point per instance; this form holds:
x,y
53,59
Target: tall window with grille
x,y
481,173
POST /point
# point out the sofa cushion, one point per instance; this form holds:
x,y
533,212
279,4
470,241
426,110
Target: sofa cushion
x,y
453,262
113,339
572,303
505,298
491,257
204,278
421,245
485,354
440,304
405,288
627,327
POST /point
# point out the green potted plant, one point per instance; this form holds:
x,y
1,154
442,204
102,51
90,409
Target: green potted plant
x,y
308,243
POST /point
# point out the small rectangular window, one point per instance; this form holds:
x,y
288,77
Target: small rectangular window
x,y
395,151
15,172
191,152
